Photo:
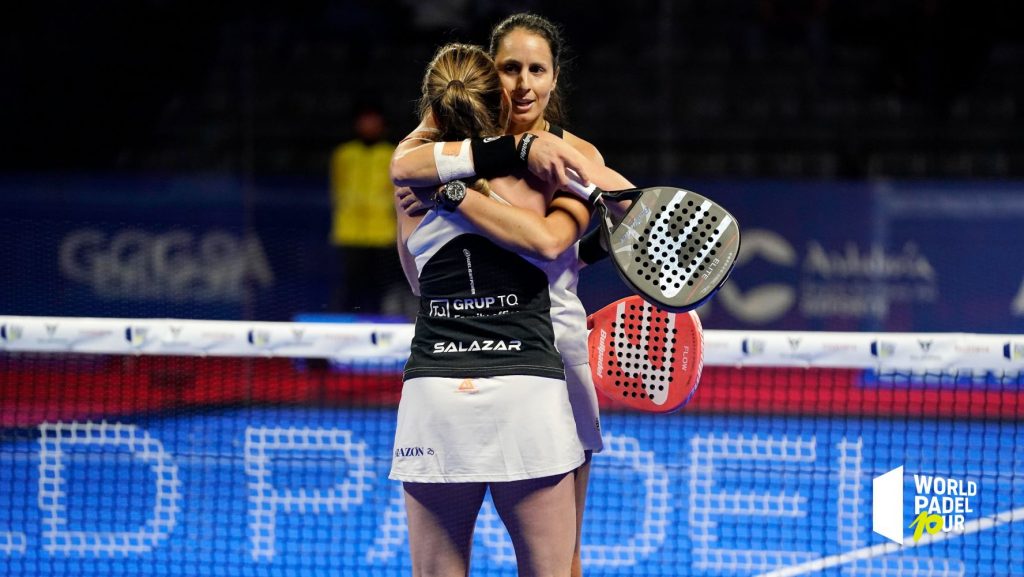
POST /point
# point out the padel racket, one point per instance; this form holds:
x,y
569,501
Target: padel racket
x,y
644,357
673,247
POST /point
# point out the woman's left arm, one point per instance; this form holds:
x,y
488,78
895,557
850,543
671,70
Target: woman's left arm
x,y
416,163
525,231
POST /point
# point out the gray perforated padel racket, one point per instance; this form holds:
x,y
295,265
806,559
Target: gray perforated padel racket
x,y
673,247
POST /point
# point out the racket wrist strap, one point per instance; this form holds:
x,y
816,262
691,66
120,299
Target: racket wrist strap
x,y
495,156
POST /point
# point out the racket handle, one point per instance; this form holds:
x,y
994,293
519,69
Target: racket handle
x,y
589,192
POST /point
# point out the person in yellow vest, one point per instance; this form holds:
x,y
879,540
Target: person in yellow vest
x,y
363,219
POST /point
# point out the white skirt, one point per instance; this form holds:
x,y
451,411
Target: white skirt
x,y
508,428
583,398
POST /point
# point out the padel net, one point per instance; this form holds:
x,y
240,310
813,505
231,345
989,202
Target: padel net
x,y
153,447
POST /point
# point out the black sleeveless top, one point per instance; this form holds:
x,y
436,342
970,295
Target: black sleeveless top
x,y
484,311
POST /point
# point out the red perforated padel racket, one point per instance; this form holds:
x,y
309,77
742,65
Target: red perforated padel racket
x,y
644,357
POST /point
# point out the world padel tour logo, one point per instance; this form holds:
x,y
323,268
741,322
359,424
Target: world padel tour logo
x,y
940,504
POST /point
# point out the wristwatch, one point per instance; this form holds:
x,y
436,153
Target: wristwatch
x,y
450,195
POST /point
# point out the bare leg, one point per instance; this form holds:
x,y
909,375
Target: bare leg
x,y
582,475
441,521
540,515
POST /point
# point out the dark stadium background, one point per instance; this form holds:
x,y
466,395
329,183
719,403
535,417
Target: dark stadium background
x,y
176,115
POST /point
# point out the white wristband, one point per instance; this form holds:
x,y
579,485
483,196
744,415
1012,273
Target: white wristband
x,y
454,167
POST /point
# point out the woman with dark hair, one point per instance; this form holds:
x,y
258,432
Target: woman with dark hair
x,y
528,50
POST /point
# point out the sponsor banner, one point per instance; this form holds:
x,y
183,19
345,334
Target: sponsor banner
x,y
162,247
882,351
894,257
907,257
375,342
61,335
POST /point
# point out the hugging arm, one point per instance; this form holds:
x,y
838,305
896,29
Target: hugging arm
x,y
408,267
414,164
418,163
407,222
541,236
523,230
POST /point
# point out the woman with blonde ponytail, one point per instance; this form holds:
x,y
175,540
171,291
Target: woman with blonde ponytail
x,y
484,402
